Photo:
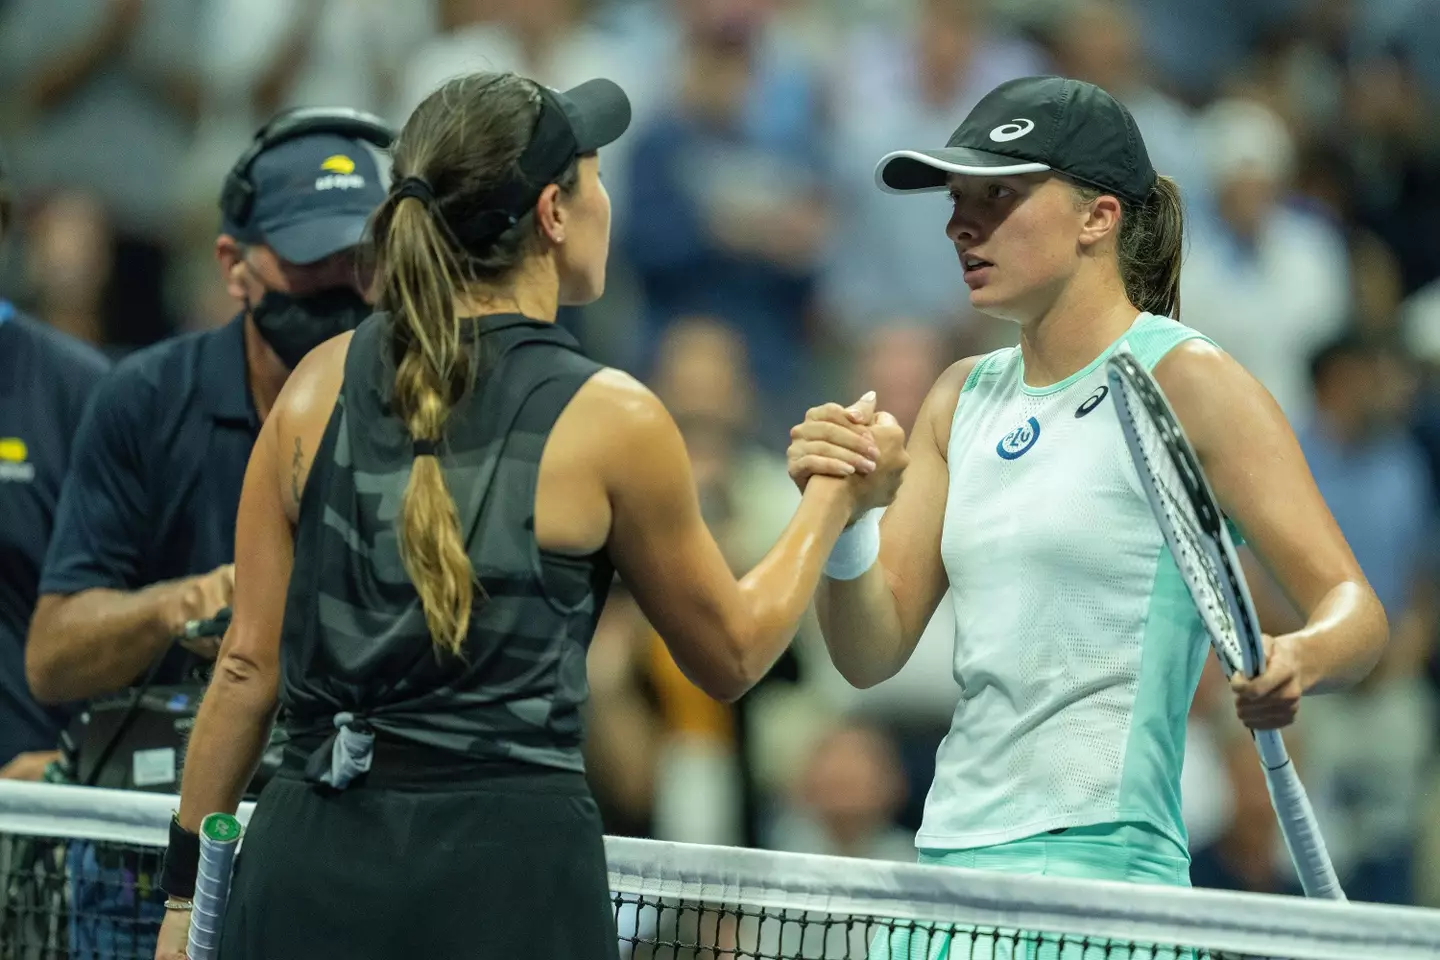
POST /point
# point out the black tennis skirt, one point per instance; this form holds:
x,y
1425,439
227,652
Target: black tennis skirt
x,y
509,865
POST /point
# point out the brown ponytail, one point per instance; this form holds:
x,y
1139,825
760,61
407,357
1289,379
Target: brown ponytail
x,y
463,141
1151,247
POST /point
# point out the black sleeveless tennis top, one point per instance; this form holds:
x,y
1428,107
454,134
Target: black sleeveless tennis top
x,y
356,656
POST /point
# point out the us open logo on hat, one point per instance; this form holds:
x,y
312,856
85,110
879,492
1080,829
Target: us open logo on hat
x,y
341,175
1013,130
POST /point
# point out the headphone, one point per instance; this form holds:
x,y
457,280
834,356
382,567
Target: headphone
x,y
238,196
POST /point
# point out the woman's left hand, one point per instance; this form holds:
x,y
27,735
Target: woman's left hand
x,y
174,936
1271,700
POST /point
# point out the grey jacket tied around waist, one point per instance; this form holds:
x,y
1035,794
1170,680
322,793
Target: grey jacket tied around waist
x,y
344,755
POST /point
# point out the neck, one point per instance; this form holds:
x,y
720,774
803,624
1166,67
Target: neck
x,y
535,293
1084,320
264,373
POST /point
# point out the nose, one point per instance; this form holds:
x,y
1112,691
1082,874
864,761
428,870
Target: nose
x,y
964,226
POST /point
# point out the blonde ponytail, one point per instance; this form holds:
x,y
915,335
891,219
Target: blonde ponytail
x,y
419,273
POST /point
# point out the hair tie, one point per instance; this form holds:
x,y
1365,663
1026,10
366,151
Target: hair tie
x,y
415,187
424,448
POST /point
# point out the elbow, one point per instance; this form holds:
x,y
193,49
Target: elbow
x,y
45,672
45,681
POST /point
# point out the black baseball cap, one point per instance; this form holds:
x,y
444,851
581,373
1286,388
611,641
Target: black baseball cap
x,y
571,124
1031,125
313,196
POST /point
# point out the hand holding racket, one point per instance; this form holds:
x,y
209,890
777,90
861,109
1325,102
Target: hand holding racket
x,y
1196,532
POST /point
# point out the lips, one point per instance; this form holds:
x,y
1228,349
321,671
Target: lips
x,y
974,268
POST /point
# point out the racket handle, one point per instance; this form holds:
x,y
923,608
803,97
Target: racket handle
x,y
1297,821
219,838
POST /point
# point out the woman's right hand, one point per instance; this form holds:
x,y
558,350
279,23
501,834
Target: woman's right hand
x,y
855,443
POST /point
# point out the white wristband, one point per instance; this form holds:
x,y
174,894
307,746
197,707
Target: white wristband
x,y
857,549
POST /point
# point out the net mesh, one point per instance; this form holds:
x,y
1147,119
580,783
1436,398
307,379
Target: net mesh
x,y
78,868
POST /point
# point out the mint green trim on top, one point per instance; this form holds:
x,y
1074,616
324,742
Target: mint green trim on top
x,y
1149,337
1172,654
1152,337
981,367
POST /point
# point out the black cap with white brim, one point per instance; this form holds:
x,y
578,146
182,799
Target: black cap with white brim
x,y
1032,125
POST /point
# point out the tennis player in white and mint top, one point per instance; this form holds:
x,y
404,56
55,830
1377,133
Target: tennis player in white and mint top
x,y
1077,646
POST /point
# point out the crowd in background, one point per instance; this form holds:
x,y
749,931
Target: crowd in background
x,y
757,270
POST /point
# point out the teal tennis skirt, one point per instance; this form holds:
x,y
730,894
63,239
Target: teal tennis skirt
x,y
1133,853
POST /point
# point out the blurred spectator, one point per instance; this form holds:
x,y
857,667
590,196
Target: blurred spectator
x,y
728,192
906,81
1390,136
69,265
1376,483
1099,41
845,800
106,94
103,97
1268,282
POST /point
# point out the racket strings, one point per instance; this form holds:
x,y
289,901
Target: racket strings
x,y
1194,559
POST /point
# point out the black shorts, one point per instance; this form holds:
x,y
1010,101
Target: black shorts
x,y
511,866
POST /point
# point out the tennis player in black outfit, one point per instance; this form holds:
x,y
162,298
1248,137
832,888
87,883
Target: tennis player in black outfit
x,y
429,523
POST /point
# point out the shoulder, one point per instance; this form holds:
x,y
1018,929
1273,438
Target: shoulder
x,y
310,390
943,401
1153,338
621,400
168,367
70,358
1214,397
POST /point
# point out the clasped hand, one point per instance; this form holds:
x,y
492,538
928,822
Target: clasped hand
x,y
857,444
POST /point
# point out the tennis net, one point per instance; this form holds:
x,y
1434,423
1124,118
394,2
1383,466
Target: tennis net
x,y
78,868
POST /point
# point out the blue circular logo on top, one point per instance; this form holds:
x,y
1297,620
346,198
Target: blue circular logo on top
x,y
1018,442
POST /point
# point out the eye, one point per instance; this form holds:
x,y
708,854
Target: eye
x,y
998,191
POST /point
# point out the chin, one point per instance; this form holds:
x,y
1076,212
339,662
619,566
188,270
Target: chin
x,y
582,291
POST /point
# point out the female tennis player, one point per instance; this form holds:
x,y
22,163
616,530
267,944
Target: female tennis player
x,y
429,525
1077,647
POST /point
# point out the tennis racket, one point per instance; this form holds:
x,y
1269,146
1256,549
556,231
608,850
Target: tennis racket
x,y
1196,532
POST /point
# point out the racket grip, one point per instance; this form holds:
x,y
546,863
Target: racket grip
x,y
1298,824
219,839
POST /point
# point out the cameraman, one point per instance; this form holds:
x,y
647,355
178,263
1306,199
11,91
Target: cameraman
x,y
45,379
145,534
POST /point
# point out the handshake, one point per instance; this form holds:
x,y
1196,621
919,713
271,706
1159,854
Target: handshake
x,y
854,444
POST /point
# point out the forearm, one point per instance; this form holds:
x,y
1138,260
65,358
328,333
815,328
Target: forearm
x,y
778,591
861,624
1343,639
97,641
231,731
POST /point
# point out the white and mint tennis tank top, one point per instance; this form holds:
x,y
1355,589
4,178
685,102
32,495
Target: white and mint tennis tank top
x,y
1077,647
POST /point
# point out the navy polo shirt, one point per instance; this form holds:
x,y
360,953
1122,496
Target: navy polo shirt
x,y
45,380
155,480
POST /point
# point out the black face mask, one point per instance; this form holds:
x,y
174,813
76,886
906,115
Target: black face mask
x,y
293,326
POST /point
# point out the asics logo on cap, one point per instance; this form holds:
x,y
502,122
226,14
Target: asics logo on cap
x,y
1013,130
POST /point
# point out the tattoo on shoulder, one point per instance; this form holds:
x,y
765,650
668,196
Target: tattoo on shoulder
x,y
297,464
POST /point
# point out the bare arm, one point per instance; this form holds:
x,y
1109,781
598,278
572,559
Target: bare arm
x,y
1260,477
97,641
233,724
722,633
872,623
